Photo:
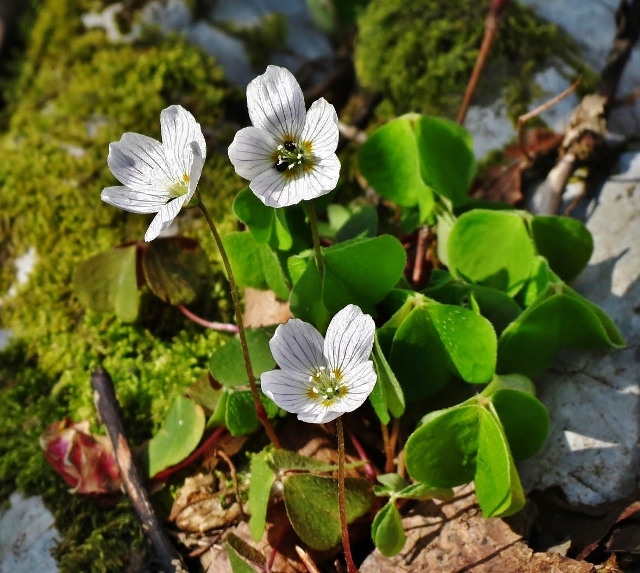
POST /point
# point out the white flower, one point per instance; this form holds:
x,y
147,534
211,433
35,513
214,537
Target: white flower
x,y
289,154
321,378
157,177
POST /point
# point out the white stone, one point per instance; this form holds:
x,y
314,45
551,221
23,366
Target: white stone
x,y
594,399
27,536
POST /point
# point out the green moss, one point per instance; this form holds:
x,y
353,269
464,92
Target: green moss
x,y
76,93
420,54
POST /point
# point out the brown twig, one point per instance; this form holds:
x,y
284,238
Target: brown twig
x,y
306,560
537,111
421,250
234,476
585,138
490,29
389,451
106,403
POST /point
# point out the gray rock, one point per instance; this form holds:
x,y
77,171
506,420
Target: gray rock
x,y
593,399
27,536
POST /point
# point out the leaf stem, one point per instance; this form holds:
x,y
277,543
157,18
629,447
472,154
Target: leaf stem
x,y
351,566
219,326
313,221
260,411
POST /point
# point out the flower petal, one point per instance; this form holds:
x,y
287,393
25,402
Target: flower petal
x,y
130,200
269,187
195,169
276,104
318,414
287,389
164,218
297,347
349,339
322,177
179,129
138,162
252,152
360,381
321,128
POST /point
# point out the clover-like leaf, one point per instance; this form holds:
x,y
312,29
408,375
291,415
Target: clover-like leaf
x,y
390,161
566,243
227,364
460,342
387,396
447,160
491,248
178,436
262,478
175,269
311,502
361,272
107,283
559,319
387,532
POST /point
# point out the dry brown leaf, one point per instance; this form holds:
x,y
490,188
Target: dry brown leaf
x,y
201,507
262,308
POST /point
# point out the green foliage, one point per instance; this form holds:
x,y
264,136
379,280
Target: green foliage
x,y
76,93
472,441
178,436
420,55
312,506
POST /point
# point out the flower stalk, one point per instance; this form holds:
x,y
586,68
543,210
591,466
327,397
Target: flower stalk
x,y
261,412
342,504
317,249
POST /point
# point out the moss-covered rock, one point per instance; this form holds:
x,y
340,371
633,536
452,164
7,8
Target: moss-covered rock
x,y
75,93
420,54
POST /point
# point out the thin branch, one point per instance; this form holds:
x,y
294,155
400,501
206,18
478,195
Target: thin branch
x,y
106,404
306,560
491,27
234,476
541,109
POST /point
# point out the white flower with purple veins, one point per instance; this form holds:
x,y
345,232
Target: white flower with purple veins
x,y
322,378
157,177
289,155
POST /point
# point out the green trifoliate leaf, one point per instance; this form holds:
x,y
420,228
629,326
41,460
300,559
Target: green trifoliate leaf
x,y
460,342
176,269
566,243
390,161
387,531
262,478
107,283
361,272
178,436
559,319
447,160
312,506
491,248
387,396
227,364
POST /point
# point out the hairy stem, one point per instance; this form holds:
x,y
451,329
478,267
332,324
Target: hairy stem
x,y
313,221
351,566
262,414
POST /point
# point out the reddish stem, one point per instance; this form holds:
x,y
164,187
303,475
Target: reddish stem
x,y
342,504
369,469
206,445
220,326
